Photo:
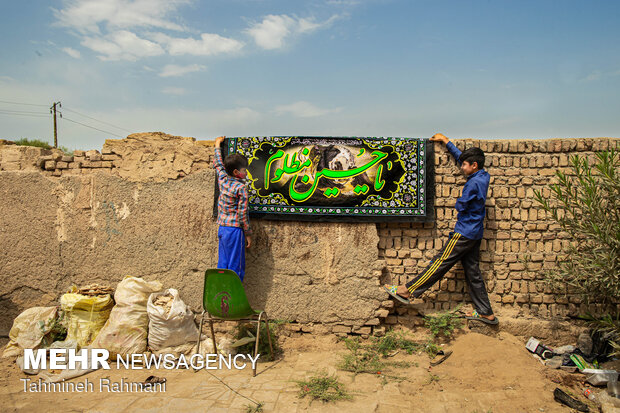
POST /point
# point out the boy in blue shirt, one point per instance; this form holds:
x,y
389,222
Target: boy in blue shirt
x,y
464,243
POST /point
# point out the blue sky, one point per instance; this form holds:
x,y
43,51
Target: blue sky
x,y
480,69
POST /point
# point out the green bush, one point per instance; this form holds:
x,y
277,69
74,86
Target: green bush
x,y
33,142
323,387
360,358
443,324
395,340
586,205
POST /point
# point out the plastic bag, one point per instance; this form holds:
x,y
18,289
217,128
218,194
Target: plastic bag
x,y
50,376
86,315
188,349
67,344
171,322
29,328
125,332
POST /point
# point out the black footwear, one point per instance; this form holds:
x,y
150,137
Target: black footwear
x,y
564,398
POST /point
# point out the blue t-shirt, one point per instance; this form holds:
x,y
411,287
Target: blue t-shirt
x,y
470,206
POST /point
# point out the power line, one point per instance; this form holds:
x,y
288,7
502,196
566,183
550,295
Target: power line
x,y
105,123
91,127
22,111
23,114
19,103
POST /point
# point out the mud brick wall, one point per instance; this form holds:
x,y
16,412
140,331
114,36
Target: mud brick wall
x,y
519,239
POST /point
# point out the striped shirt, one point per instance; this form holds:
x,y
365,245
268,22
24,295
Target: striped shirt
x,y
232,204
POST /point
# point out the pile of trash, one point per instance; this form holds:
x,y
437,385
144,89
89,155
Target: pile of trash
x,y
136,317
586,357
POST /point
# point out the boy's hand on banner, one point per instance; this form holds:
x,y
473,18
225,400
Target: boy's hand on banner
x,y
219,140
248,241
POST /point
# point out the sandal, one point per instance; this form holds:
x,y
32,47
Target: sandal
x,y
154,380
561,397
476,316
442,359
391,290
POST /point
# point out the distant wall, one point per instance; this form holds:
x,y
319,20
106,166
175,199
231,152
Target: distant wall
x,y
143,206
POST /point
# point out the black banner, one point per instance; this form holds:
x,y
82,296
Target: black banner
x,y
338,178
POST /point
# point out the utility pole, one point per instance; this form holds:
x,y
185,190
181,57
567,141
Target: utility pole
x,y
53,110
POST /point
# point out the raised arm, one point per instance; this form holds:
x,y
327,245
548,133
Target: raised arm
x,y
218,163
454,151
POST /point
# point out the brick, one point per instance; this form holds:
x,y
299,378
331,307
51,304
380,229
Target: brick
x,y
496,298
537,299
50,165
522,298
342,329
373,322
93,155
382,313
508,299
379,331
363,330
62,165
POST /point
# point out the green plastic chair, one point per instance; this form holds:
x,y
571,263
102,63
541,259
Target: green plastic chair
x,y
224,299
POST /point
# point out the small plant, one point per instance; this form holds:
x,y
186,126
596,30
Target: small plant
x,y
254,408
246,337
360,359
56,329
443,324
323,387
66,150
610,328
432,378
431,349
395,340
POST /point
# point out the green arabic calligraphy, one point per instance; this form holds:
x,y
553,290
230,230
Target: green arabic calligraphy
x,y
294,166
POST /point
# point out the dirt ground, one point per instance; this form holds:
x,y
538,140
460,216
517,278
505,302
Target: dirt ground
x,y
484,374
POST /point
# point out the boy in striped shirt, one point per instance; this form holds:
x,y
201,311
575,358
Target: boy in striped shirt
x,y
464,243
234,232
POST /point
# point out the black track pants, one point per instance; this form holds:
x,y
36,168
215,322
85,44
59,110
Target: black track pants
x,y
458,248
